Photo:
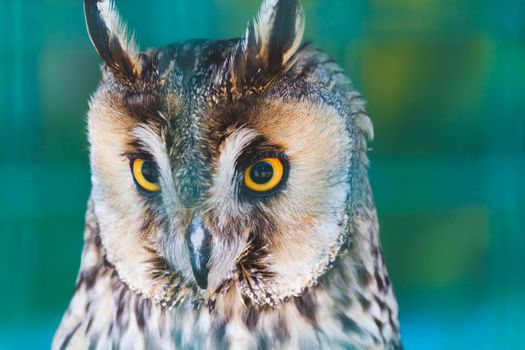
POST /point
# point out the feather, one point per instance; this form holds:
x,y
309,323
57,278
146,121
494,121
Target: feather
x,y
110,38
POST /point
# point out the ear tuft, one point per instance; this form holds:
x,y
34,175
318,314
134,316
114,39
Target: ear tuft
x,y
271,40
111,40
277,31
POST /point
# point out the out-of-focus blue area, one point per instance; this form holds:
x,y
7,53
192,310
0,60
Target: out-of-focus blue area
x,y
444,80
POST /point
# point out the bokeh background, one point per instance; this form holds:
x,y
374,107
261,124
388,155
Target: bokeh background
x,y
445,82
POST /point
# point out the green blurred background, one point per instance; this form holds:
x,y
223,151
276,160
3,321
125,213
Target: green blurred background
x,y
445,82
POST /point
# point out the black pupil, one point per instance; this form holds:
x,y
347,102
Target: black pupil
x,y
261,173
150,172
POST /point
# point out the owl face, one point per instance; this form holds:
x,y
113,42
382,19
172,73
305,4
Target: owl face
x,y
223,165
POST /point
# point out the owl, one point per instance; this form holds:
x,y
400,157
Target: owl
x,y
230,204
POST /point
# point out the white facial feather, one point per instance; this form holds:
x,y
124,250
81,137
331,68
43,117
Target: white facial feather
x,y
223,194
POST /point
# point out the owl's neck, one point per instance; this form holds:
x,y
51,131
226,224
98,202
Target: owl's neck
x,y
353,305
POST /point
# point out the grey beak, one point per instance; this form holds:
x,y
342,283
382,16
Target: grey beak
x,y
198,241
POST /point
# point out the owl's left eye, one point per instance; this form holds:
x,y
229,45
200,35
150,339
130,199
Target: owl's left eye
x,y
265,176
146,175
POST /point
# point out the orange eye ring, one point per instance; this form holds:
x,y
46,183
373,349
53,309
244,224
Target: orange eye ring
x,y
264,175
139,167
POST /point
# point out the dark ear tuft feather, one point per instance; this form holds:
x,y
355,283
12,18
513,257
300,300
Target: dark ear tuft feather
x,y
109,37
271,40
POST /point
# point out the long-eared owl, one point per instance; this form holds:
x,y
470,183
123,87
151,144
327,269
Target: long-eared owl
x,y
230,204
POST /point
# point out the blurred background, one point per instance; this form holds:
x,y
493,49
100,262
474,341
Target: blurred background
x,y
445,83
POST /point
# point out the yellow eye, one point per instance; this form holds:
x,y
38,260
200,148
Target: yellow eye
x,y
265,175
146,175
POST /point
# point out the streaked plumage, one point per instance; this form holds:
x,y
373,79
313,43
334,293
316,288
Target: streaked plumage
x,y
200,259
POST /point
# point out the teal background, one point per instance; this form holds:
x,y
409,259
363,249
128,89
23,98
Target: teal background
x,y
445,83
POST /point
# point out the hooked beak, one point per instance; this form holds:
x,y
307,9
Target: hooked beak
x,y
198,241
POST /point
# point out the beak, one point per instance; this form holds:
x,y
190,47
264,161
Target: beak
x,y
198,241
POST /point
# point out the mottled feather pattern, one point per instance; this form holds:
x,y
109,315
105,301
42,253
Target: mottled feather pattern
x,y
300,267
332,315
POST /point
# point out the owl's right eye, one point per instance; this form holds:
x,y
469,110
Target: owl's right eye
x,y
145,174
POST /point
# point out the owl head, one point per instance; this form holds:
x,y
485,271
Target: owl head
x,y
228,166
